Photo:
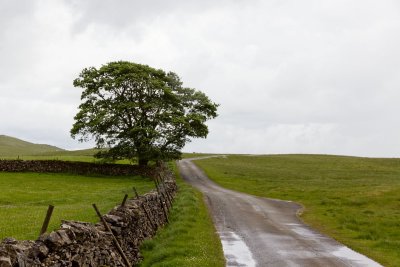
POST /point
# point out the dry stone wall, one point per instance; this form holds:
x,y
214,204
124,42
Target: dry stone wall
x,y
83,168
86,244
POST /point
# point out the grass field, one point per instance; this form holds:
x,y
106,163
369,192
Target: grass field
x,y
25,197
81,158
194,155
86,155
13,147
355,200
190,239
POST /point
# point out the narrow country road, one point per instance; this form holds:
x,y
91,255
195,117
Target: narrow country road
x,y
257,231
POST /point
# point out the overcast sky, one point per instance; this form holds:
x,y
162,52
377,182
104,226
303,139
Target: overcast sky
x,y
291,76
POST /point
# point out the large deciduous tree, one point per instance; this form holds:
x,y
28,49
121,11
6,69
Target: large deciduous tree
x,y
138,112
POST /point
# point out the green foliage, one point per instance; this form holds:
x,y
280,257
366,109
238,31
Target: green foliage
x,y
138,111
189,239
23,208
354,200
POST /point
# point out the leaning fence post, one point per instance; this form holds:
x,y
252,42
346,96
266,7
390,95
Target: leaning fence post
x,y
124,200
163,208
47,220
148,217
156,181
169,198
116,243
162,185
136,193
161,195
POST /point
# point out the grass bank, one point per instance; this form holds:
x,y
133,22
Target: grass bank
x,y
25,197
189,239
355,200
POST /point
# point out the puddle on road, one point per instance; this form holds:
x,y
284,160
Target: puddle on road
x,y
349,254
236,252
303,231
342,252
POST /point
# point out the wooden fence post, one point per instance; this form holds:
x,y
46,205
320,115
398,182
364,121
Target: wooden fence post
x,y
136,193
116,243
166,192
47,220
161,195
148,217
163,208
124,200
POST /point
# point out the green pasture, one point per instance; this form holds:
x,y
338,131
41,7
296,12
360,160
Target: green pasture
x,y
190,238
195,155
355,200
49,157
13,147
25,197
65,157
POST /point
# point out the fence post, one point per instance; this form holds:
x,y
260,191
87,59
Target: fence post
x,y
163,208
148,217
166,192
124,200
47,220
116,243
136,193
161,195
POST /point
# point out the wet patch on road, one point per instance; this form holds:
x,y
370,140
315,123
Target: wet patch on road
x,y
349,254
237,253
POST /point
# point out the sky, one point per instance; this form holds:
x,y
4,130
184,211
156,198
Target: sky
x,y
310,76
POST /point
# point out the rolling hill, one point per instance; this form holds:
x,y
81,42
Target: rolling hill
x,y
11,146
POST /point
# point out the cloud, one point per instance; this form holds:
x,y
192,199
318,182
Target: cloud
x,y
291,76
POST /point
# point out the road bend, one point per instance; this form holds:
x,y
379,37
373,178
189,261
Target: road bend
x,y
258,231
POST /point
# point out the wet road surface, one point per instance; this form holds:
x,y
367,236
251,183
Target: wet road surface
x,y
257,231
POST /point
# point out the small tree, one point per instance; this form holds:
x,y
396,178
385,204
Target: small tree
x,y
136,111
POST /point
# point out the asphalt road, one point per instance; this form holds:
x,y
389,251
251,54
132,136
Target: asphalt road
x,y
257,231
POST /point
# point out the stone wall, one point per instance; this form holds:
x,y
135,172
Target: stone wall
x,y
83,168
86,244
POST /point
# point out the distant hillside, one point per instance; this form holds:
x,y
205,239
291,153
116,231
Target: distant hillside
x,y
10,146
82,152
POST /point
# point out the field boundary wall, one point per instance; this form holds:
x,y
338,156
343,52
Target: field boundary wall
x,y
74,167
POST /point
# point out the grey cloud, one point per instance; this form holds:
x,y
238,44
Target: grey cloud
x,y
12,11
123,14
291,76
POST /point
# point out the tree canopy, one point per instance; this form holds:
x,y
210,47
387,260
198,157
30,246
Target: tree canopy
x,y
138,112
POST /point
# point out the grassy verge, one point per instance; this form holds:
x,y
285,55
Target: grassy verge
x,y
190,239
25,197
355,200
